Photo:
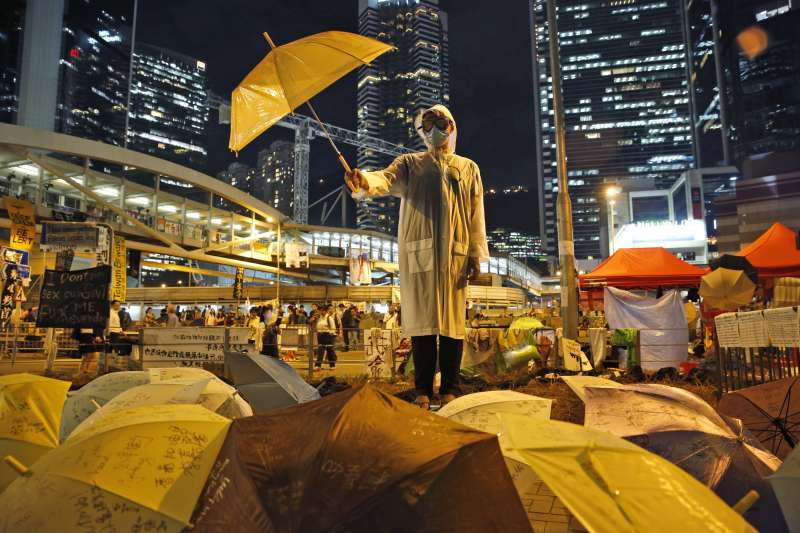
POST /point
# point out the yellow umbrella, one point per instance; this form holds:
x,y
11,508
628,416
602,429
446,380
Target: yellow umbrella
x,y
142,470
30,417
612,485
726,290
478,410
292,74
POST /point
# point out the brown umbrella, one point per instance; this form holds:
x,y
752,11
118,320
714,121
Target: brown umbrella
x,y
771,411
359,460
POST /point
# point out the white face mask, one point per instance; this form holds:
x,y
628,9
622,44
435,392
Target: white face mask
x,y
437,137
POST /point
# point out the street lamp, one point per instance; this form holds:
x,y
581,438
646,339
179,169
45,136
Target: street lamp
x,y
611,194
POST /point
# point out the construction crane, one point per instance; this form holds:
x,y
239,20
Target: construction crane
x,y
305,128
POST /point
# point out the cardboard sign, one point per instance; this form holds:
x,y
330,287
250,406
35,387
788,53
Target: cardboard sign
x,y
69,235
119,265
75,299
574,358
23,223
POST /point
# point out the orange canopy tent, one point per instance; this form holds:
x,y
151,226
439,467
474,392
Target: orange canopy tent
x,y
774,254
643,268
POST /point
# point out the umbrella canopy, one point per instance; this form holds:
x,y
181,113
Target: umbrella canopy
x,y
578,384
770,411
267,383
479,410
216,396
85,401
684,429
786,483
30,415
736,262
612,485
290,75
726,290
359,460
142,470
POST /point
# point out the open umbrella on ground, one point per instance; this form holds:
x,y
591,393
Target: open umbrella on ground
x,y
267,383
770,411
578,384
209,393
682,428
726,290
359,460
786,483
30,415
142,470
216,396
612,485
479,410
86,400
290,75
736,262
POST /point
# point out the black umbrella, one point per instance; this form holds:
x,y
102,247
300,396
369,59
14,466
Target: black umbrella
x,y
736,262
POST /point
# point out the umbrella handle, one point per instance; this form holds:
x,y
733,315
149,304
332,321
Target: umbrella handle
x,y
747,501
17,465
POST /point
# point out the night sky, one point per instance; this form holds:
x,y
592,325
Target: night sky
x,y
490,75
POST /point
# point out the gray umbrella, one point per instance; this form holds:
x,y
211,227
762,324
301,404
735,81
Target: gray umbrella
x,y
267,383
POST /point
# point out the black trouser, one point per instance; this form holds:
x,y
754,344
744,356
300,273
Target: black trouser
x,y
346,338
119,343
325,346
424,351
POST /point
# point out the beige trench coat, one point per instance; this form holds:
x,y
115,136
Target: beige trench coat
x,y
441,224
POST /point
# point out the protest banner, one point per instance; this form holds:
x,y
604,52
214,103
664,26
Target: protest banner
x,y
75,299
23,223
80,237
119,264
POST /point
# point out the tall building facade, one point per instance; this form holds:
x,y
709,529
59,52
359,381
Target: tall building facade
x,y
760,93
702,50
517,244
626,104
275,172
168,110
12,18
94,70
398,85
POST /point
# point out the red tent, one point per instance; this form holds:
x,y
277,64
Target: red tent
x,y
775,253
643,268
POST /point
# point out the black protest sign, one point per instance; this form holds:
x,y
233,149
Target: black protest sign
x,y
75,299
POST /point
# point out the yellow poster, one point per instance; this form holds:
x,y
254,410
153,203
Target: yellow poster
x,y
119,269
23,223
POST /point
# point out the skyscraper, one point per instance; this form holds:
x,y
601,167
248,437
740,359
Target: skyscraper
x,y
702,51
241,176
11,19
626,105
398,85
95,70
275,172
760,93
168,113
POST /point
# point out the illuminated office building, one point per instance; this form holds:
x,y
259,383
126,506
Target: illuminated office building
x,y
94,70
275,174
10,39
515,243
626,105
169,114
398,85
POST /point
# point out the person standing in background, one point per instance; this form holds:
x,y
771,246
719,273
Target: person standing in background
x,y
172,317
326,336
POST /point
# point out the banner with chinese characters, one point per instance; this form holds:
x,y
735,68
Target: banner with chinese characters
x,y
119,265
23,223
238,282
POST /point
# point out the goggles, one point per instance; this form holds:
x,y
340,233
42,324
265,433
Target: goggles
x,y
429,121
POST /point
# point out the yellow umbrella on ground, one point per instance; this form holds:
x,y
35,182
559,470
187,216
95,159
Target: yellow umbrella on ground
x,y
726,290
478,410
578,384
290,75
30,417
611,485
142,470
